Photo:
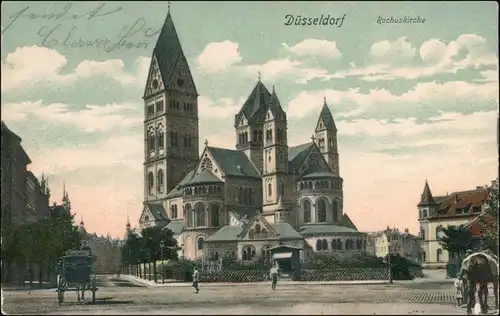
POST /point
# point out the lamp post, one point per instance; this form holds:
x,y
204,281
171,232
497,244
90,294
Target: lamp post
x,y
162,245
388,234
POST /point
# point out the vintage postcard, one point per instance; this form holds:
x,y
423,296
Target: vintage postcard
x,y
250,157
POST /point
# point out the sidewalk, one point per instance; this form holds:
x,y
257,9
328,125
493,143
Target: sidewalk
x,y
132,278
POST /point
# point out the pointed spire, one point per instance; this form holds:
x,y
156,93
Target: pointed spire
x,y
81,220
206,142
426,197
64,191
327,118
169,7
259,76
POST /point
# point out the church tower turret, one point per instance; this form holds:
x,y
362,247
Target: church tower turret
x,y
275,182
65,199
427,204
171,117
326,138
248,124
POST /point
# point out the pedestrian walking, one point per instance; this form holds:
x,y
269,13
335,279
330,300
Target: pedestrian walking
x,y
273,273
458,284
196,279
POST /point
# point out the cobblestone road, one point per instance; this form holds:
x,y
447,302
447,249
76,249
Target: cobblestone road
x,y
121,297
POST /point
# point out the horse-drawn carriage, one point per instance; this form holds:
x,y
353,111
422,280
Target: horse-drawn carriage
x,y
76,273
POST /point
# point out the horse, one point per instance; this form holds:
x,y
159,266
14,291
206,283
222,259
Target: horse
x,y
479,273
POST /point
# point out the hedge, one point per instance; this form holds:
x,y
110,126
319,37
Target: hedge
x,y
337,274
345,274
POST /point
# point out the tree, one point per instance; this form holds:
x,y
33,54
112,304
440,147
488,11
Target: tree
x,y
456,240
152,239
489,221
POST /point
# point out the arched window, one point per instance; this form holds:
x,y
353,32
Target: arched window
x,y
250,196
439,253
248,253
318,245
269,189
348,244
214,215
422,233
324,245
160,181
306,205
151,182
161,139
424,256
336,210
264,233
151,141
199,243
146,218
255,135
172,207
359,244
321,211
200,214
241,196
438,231
334,244
251,234
265,254
190,216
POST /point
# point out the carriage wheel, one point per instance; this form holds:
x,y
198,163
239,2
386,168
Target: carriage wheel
x,y
60,290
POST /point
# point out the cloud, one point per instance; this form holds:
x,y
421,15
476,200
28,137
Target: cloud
x,y
222,109
387,60
286,68
315,48
32,65
114,151
468,51
218,57
90,119
423,100
400,50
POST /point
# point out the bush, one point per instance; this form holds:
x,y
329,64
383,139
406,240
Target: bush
x,y
400,267
330,261
233,276
345,274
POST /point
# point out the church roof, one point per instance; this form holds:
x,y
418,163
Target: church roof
x,y
285,231
275,106
327,117
204,177
258,99
234,163
297,154
231,233
158,211
176,226
244,211
326,229
319,174
347,222
177,190
168,49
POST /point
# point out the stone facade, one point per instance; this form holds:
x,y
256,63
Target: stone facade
x,y
218,201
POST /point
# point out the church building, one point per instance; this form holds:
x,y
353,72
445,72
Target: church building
x,y
243,201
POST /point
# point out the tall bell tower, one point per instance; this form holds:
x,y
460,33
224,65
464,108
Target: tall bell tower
x,y
170,116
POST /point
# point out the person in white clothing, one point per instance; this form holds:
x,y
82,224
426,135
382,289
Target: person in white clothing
x,y
458,284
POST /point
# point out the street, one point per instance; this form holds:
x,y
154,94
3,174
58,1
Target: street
x,y
118,296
